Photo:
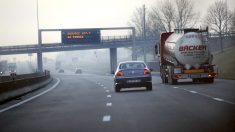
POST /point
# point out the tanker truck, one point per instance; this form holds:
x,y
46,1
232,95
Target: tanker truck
x,y
185,54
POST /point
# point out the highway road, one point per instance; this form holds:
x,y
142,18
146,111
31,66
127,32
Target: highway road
x,y
88,103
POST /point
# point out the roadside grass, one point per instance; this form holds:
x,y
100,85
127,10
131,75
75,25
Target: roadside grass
x,y
225,63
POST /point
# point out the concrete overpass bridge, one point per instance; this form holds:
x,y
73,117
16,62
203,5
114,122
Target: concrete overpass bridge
x,y
111,43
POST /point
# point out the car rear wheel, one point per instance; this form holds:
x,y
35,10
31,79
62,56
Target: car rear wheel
x,y
117,89
209,80
195,80
149,87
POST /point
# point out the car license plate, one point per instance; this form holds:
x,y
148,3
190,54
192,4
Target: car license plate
x,y
195,76
133,81
204,75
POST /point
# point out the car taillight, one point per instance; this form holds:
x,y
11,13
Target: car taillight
x,y
211,75
119,73
146,72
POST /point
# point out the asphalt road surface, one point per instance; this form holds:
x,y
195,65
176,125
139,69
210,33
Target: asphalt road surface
x,y
88,103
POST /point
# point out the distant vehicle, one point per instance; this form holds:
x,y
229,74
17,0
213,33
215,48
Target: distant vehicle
x,y
132,74
3,67
185,54
61,71
12,68
78,71
57,65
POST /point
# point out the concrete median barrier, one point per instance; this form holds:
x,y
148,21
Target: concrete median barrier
x,y
20,86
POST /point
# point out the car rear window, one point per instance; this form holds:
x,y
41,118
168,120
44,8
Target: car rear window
x,y
132,66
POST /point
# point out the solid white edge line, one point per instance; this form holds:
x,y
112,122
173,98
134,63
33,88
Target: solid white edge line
x,y
229,102
218,99
193,92
31,98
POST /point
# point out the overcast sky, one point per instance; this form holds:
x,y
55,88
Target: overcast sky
x,y
18,18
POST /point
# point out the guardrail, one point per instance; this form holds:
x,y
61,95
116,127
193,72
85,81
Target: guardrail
x,y
17,77
114,39
22,84
229,34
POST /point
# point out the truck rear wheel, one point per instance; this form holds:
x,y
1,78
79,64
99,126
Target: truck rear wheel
x,y
172,81
195,80
164,78
210,80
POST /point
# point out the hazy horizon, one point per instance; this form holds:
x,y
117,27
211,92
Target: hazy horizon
x,y
19,18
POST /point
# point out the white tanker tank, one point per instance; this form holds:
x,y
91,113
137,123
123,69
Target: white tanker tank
x,y
189,49
185,54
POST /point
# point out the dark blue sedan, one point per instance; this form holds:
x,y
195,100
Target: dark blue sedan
x,y
132,74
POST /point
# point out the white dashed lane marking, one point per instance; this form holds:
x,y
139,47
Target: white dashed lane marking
x,y
205,95
109,104
106,118
106,91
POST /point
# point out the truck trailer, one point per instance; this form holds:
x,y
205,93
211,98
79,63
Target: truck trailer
x,y
185,54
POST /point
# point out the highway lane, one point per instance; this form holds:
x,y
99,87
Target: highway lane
x,y
85,103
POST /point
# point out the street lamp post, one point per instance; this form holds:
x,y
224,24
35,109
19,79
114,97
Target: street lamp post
x,y
226,21
30,55
39,54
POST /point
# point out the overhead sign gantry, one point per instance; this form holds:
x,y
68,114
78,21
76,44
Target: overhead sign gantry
x,y
83,37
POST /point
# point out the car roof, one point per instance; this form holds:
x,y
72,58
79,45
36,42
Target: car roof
x,y
131,62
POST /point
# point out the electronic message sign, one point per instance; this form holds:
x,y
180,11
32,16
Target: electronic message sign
x,y
80,36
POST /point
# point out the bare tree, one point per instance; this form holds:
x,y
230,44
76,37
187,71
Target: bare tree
x,y
219,18
177,14
155,27
185,16
149,25
137,21
163,16
233,21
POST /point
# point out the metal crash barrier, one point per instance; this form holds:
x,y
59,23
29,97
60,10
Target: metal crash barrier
x,y
16,85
